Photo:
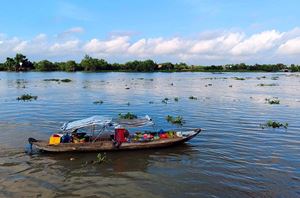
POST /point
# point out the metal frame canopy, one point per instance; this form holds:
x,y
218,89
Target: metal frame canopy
x,y
91,121
104,122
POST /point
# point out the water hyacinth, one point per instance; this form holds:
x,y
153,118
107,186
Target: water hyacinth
x,y
98,102
66,80
274,124
193,98
175,120
27,97
273,100
129,116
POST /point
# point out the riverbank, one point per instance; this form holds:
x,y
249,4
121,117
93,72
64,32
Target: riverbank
x,y
90,64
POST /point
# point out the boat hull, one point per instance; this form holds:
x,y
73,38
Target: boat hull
x,y
110,146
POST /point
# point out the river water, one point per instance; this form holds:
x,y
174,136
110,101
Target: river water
x,y
232,157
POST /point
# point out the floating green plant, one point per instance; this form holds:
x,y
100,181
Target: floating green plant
x,y
52,79
100,158
193,98
258,78
165,100
273,100
27,97
175,120
66,80
269,85
129,116
275,78
237,78
98,102
274,124
176,99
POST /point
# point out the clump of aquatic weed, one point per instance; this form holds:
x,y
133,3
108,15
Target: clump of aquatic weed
x,y
27,97
274,124
269,85
98,102
273,100
66,80
237,78
128,116
100,158
193,98
258,78
165,100
175,120
52,79
275,78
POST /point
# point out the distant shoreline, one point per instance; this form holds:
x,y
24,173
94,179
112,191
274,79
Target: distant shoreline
x,y
89,64
160,71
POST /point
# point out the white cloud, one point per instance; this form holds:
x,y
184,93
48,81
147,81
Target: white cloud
x,y
217,48
114,45
138,47
20,46
257,43
170,46
75,30
70,32
291,47
65,47
218,45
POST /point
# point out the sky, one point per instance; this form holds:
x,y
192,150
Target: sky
x,y
200,32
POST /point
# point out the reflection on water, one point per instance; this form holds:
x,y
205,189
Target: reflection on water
x,y
233,156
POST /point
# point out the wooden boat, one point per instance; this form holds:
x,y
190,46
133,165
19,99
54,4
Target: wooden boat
x,y
111,144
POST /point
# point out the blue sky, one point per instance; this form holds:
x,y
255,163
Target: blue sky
x,y
166,30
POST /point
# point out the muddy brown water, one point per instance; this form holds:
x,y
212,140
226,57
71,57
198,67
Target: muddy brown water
x,y
232,157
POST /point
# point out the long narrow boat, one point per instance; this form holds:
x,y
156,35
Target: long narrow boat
x,y
111,144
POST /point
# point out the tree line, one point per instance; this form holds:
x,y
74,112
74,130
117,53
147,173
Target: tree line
x,y
90,64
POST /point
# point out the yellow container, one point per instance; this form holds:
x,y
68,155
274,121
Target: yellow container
x,y
55,139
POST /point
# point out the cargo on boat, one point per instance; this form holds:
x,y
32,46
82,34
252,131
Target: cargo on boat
x,y
98,133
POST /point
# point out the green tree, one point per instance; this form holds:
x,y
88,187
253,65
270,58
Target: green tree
x,y
45,65
19,63
2,67
166,66
9,64
22,63
93,64
71,66
147,66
